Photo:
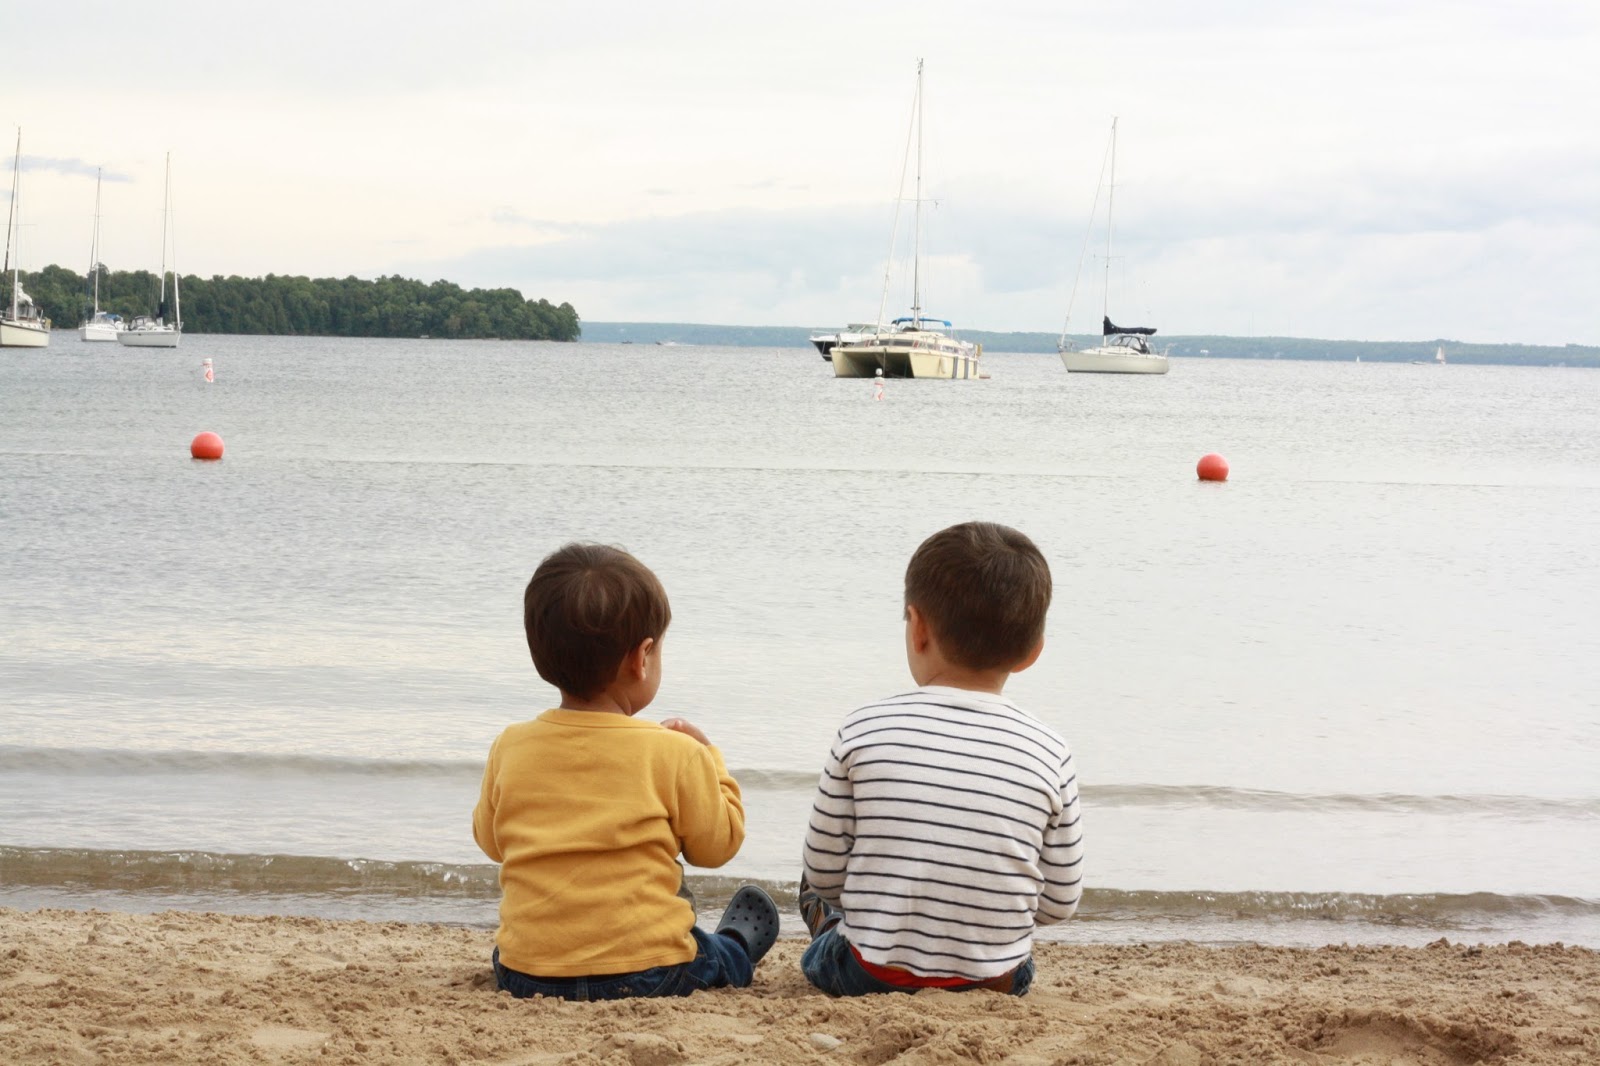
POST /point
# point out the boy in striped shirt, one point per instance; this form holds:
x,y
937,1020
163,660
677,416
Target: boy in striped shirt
x,y
945,825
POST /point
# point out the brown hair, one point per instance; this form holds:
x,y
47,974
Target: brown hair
x,y
984,590
585,608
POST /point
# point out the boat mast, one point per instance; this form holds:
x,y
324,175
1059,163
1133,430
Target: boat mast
x,y
166,202
94,244
899,200
11,224
1083,253
1111,200
177,297
916,240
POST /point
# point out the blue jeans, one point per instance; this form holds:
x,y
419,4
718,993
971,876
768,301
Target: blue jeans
x,y
830,965
720,962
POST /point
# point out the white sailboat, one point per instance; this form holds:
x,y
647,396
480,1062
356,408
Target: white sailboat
x,y
913,346
21,324
154,331
1438,356
100,325
1122,349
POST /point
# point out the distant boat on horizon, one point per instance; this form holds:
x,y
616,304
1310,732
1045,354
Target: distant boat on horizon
x,y
21,324
1122,349
99,325
154,331
914,345
854,333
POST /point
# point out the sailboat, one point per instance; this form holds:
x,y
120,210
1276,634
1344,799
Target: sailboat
x,y
1122,349
1438,356
100,325
154,331
21,325
912,346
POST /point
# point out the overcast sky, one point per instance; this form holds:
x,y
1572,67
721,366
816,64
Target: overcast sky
x,y
1406,169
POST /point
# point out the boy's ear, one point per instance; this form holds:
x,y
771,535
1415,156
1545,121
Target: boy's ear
x,y
917,632
634,663
1030,658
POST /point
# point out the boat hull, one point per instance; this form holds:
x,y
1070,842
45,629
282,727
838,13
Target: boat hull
x,y
932,356
98,332
23,335
1113,361
149,338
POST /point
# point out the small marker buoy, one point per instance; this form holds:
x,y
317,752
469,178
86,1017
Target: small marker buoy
x,y
1212,467
206,445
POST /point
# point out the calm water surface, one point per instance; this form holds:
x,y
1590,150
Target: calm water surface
x,y
1350,694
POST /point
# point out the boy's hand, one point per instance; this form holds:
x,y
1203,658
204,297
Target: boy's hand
x,y
686,727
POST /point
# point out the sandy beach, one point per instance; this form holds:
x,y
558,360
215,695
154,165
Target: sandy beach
x,y
100,987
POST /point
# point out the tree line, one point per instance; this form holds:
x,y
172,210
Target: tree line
x,y
333,307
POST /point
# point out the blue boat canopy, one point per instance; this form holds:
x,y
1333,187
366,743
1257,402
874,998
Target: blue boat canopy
x,y
945,322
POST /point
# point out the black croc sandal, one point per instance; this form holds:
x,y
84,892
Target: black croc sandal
x,y
752,918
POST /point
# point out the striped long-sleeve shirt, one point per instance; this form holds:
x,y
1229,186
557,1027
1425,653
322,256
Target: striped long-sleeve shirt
x,y
946,827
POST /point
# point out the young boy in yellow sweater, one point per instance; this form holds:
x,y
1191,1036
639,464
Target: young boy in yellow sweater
x,y
586,807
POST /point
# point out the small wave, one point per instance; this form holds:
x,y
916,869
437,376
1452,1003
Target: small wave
x,y
209,873
1414,909
97,762
103,761
1266,800
214,871
110,761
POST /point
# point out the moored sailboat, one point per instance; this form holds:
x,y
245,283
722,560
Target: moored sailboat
x,y
913,346
21,324
154,331
1122,349
99,325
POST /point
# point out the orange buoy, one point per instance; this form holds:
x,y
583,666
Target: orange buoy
x,y
1211,467
206,445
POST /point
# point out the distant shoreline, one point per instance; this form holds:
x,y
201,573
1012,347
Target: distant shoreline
x,y
1190,346
689,335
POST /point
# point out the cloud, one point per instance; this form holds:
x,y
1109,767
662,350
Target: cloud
x,y
1494,253
510,216
38,164
719,242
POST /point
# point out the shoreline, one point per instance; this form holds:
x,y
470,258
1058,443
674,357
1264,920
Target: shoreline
x,y
114,987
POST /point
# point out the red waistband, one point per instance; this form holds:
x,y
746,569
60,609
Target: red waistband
x,y
891,975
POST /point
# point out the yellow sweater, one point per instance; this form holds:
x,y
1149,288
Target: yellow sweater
x,y
586,813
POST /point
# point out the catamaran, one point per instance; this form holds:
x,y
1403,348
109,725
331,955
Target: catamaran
x,y
1122,349
913,346
154,331
21,324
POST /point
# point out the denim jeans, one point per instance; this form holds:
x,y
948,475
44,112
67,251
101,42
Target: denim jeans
x,y
830,965
720,962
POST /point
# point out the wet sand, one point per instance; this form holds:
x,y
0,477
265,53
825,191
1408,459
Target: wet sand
x,y
99,987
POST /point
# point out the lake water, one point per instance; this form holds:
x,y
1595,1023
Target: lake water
x,y
1351,694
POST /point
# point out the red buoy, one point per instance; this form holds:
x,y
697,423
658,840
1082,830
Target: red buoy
x,y
206,445
1211,467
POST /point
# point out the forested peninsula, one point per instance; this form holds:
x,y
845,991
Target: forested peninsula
x,y
328,307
